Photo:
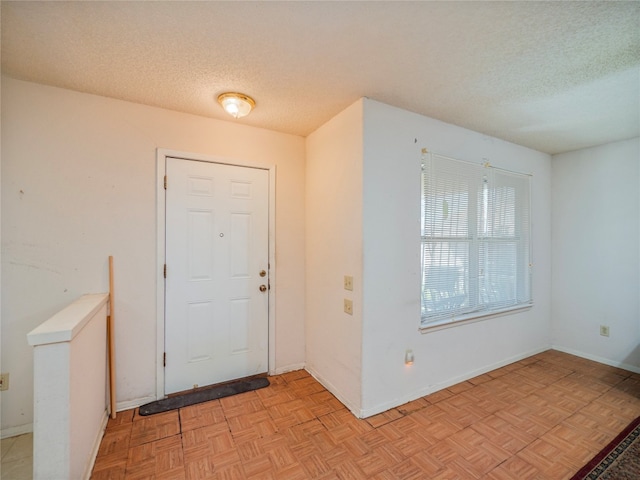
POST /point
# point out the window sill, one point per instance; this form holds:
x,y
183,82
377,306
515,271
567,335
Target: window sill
x,y
471,318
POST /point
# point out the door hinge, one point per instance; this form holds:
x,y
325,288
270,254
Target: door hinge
x,y
165,182
164,359
165,270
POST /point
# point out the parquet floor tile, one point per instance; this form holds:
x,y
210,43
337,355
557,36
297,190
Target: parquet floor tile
x,y
384,417
549,459
573,443
413,406
154,427
158,459
200,415
503,434
514,468
460,387
406,470
540,418
260,464
480,379
438,396
412,443
115,440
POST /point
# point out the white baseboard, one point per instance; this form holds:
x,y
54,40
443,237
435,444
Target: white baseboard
x,y
135,403
329,386
365,413
595,358
15,431
96,446
288,368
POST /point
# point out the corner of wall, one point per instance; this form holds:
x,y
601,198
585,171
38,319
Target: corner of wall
x,y
333,236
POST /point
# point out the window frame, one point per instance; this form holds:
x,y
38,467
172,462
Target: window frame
x,y
522,270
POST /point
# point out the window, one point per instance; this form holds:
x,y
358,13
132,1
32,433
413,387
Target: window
x,y
475,240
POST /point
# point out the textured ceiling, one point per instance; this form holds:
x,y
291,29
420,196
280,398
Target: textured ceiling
x,y
553,76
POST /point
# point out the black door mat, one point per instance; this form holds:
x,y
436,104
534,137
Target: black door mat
x,y
203,395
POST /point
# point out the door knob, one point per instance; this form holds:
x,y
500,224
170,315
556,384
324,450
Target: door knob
x,y
263,288
262,273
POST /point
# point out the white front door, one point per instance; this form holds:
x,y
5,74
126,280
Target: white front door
x,y
217,273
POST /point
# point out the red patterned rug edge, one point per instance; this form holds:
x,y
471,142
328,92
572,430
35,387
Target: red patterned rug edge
x,y
584,471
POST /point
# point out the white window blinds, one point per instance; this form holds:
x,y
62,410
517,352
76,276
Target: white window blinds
x,y
475,240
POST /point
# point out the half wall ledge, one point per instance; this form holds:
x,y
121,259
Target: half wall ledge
x,y
70,388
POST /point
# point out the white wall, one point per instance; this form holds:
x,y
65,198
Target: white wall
x,y
393,140
334,249
363,210
596,262
1,364
78,185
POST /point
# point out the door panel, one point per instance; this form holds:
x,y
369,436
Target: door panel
x,y
216,317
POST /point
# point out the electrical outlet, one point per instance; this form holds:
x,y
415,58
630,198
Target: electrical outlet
x,y
408,357
604,330
348,282
348,306
4,381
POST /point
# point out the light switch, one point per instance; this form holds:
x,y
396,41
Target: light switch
x,y
348,306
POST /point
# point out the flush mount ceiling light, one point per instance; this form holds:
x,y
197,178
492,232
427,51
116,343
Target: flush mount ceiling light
x,y
236,104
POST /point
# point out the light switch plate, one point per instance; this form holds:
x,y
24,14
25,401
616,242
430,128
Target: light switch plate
x,y
348,282
4,382
348,306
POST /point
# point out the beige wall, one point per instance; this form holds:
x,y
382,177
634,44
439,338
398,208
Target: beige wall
x,y
334,249
78,185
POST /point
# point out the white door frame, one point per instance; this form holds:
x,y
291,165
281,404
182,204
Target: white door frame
x,y
161,156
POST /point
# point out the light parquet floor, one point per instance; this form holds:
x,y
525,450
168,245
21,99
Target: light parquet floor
x,y
539,418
